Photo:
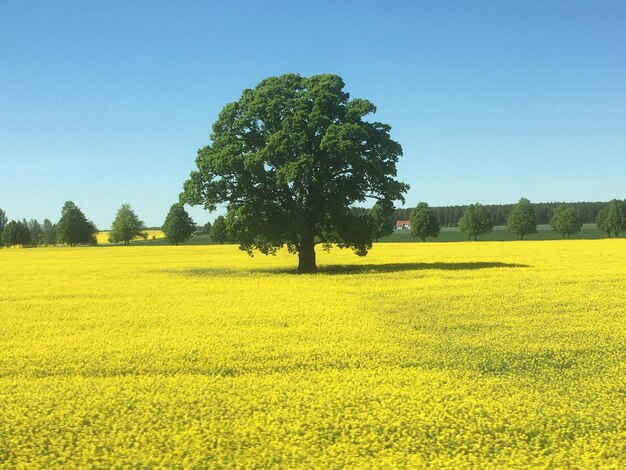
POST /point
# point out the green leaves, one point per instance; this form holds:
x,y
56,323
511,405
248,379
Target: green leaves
x,y
424,222
290,158
565,220
521,220
126,226
73,227
178,226
612,218
15,233
475,221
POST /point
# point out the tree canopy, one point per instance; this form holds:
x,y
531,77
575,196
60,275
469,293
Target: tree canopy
x,y
521,220
612,218
178,226
126,226
566,221
289,159
16,233
73,227
219,230
475,221
49,232
36,232
424,222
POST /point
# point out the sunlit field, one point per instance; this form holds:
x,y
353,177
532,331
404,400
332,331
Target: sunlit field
x,y
507,354
103,236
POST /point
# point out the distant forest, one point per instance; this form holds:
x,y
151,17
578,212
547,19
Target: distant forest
x,y
449,216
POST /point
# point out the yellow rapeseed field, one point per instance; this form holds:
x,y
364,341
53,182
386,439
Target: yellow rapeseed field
x,y
103,236
489,354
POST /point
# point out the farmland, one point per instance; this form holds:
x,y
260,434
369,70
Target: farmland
x,y
444,354
152,235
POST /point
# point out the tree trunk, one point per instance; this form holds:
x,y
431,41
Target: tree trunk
x,y
306,256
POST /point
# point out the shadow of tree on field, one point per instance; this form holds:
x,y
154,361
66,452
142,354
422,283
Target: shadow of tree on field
x,y
334,269
339,269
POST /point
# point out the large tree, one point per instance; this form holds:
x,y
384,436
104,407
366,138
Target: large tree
x,y
126,226
73,227
178,226
289,159
565,220
424,222
521,220
475,221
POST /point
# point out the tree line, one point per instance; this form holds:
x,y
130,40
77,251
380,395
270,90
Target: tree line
x,y
73,228
449,216
291,158
521,220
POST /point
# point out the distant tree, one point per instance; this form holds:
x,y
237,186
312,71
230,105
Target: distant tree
x,y
36,232
16,233
178,226
73,227
612,218
424,222
203,229
475,221
3,223
49,233
565,220
220,231
126,226
382,222
617,216
521,220
601,219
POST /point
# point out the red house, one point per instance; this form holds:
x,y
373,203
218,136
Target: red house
x,y
403,224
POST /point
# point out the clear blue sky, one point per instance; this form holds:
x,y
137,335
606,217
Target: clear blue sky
x,y
103,103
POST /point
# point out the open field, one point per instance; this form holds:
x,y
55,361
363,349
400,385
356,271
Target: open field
x,y
153,235
448,354
448,234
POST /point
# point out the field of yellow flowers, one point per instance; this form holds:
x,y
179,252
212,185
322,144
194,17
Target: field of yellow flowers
x,y
489,354
103,236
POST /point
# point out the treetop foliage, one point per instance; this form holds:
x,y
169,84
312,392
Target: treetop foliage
x,y
424,222
566,221
178,226
612,218
475,221
521,220
289,159
220,231
126,226
15,233
73,227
